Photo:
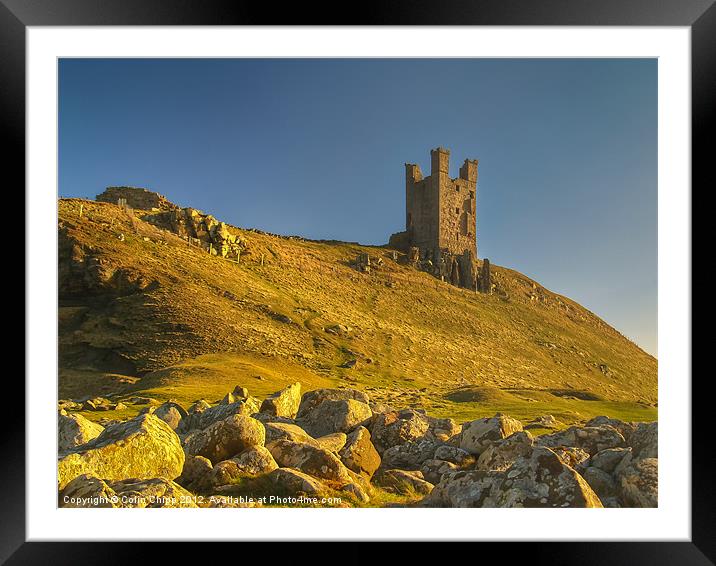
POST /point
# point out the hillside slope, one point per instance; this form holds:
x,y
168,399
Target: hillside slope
x,y
142,310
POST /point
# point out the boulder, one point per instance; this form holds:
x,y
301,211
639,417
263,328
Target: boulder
x,y
75,430
624,428
462,489
171,413
601,482
396,428
644,440
638,482
335,416
287,431
542,480
573,457
88,491
293,482
309,459
226,438
409,456
332,442
454,454
591,439
240,392
479,434
283,403
607,460
144,447
253,462
204,418
500,455
312,399
433,470
402,482
539,479
196,473
358,454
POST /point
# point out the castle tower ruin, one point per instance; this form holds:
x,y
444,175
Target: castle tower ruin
x,y
440,211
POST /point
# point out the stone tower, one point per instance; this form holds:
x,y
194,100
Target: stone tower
x,y
440,211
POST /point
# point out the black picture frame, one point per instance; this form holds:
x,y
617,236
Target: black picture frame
x,y
699,15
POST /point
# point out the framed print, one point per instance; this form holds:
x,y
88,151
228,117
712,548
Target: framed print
x,y
424,276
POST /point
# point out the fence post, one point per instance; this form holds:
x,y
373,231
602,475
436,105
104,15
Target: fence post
x,y
81,208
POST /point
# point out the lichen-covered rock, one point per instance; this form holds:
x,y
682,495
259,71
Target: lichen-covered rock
x,y
479,434
293,482
332,442
201,419
403,482
539,479
601,482
255,461
226,438
644,440
309,459
542,480
75,430
433,470
462,489
196,473
312,399
501,454
638,482
607,460
287,431
591,439
409,456
358,454
171,413
335,416
283,403
573,457
144,447
396,428
624,428
454,454
88,491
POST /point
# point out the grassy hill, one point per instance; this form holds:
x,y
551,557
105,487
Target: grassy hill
x,y
142,312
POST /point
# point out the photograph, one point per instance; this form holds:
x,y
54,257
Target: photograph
x,y
357,282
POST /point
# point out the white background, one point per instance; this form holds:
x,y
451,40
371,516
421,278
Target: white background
x,y
671,521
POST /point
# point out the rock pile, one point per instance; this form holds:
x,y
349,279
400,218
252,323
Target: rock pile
x,y
333,441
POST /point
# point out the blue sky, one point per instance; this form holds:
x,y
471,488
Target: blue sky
x,y
567,189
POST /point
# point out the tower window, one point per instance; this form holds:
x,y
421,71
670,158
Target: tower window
x,y
457,210
472,194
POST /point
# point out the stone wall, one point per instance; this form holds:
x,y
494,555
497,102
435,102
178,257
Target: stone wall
x,y
136,197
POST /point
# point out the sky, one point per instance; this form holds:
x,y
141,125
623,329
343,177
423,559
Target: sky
x,y
567,150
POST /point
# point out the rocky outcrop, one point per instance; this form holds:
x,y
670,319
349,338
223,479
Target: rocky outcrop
x,y
312,399
293,482
144,447
136,197
591,439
